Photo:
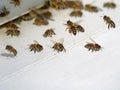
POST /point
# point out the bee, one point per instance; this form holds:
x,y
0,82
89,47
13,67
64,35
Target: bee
x,y
57,4
17,20
108,21
93,46
74,28
58,46
47,14
16,2
27,17
36,47
79,28
3,25
11,25
76,13
39,21
109,5
11,49
12,32
39,18
49,33
46,5
91,8
4,12
74,4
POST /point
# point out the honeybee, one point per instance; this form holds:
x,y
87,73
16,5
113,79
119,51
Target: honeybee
x,y
47,14
27,17
109,5
57,4
4,12
11,25
46,5
39,21
91,8
49,33
17,20
11,49
16,2
108,21
93,46
3,26
76,13
12,32
74,28
36,47
58,46
74,4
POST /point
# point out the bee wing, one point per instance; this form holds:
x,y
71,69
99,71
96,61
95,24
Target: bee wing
x,y
61,40
77,22
92,40
36,42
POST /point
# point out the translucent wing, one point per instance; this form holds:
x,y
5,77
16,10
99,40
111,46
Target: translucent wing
x,y
36,42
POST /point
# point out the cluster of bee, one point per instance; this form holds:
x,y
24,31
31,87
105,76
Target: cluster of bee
x,y
41,17
74,28
36,47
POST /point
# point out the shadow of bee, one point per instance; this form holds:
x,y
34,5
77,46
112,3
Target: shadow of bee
x,y
11,49
16,2
108,21
49,33
58,46
4,12
111,5
36,47
93,46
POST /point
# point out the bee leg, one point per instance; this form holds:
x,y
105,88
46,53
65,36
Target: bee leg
x,y
108,26
64,50
35,51
15,52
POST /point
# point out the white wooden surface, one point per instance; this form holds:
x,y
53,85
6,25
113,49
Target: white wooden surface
x,y
76,69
